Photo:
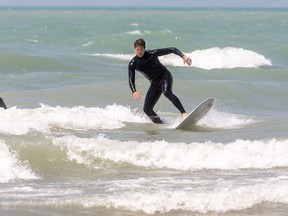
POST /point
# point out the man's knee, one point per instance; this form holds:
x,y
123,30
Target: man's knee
x,y
168,94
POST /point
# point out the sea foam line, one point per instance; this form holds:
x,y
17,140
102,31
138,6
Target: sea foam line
x,y
22,121
43,119
219,200
240,154
137,197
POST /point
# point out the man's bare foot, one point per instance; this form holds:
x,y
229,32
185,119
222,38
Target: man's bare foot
x,y
184,115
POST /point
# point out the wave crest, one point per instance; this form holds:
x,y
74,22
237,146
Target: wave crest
x,y
11,168
241,154
22,121
212,58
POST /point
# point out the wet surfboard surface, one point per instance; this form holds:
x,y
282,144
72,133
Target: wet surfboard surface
x,y
193,117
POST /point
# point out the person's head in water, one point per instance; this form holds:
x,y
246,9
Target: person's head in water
x,y
139,47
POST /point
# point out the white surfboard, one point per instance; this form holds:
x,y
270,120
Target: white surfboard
x,y
193,117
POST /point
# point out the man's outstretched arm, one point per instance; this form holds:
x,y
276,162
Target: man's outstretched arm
x,y
165,51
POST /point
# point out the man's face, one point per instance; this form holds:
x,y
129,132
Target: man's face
x,y
139,50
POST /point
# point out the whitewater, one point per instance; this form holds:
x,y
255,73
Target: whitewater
x,y
17,121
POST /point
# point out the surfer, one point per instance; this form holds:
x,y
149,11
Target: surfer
x,y
2,104
147,63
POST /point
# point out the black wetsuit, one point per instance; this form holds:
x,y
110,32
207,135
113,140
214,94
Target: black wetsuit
x,y
160,78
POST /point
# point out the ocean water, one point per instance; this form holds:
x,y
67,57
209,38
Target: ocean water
x,y
74,142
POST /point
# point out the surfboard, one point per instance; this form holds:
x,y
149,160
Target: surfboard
x,y
193,117
2,104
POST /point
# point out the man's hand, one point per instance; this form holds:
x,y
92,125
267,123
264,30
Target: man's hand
x,y
187,60
137,95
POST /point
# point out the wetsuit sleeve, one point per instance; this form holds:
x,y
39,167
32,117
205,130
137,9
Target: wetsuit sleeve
x,y
169,50
131,76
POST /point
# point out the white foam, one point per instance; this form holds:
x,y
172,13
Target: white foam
x,y
88,44
241,154
218,120
224,120
135,32
135,24
228,57
156,195
11,168
43,119
212,58
158,200
22,121
138,32
123,57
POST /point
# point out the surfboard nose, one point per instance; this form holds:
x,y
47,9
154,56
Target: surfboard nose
x,y
2,104
193,117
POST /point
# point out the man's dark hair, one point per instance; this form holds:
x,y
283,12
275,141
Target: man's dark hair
x,y
140,42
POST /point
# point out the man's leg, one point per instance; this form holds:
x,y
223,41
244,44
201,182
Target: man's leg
x,y
167,90
152,96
